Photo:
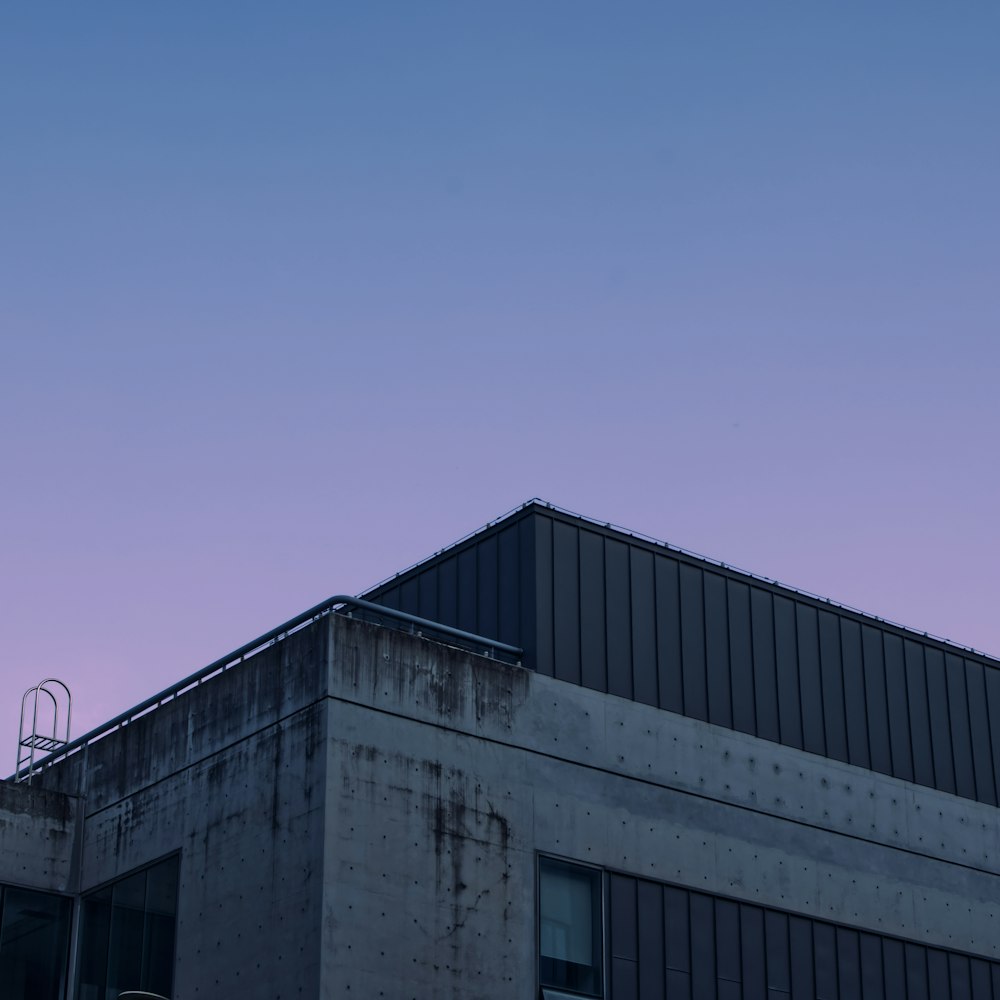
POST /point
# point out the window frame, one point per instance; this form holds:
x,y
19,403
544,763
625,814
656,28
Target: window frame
x,y
599,887
109,884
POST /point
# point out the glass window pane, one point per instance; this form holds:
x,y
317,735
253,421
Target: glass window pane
x,y
158,933
125,950
34,944
569,926
95,928
127,935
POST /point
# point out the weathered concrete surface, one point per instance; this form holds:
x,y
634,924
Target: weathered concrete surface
x,y
448,773
231,775
37,838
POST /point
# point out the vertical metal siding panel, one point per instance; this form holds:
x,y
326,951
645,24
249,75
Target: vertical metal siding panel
x,y
753,952
526,529
677,929
624,979
938,979
390,598
776,934
958,968
448,591
980,979
958,713
875,699
728,964
693,643
916,972
765,678
810,685
543,594
427,600
509,576
487,576
825,952
982,748
678,985
566,601
894,968
801,949
832,679
467,589
787,668
720,709
741,658
619,618
702,947
624,930
993,716
854,693
899,710
652,962
920,723
668,634
644,677
848,963
937,697
593,666
409,596
872,983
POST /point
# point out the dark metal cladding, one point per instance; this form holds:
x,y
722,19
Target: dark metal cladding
x,y
916,972
721,948
720,691
593,605
757,962
652,960
741,657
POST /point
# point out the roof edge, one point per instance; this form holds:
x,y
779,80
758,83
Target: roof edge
x,y
540,505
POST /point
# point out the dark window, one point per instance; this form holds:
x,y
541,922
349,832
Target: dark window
x,y
569,927
127,934
34,944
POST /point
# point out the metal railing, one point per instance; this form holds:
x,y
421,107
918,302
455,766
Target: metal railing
x,y
489,647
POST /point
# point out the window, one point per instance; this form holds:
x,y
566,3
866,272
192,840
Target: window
x,y
569,928
127,934
34,944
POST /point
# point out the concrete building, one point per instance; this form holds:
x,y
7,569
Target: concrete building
x,y
655,777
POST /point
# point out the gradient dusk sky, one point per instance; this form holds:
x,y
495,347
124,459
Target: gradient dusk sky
x,y
292,295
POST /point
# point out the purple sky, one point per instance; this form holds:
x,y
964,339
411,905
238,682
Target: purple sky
x,y
292,296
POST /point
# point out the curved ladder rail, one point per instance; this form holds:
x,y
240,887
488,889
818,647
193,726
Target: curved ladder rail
x,y
33,741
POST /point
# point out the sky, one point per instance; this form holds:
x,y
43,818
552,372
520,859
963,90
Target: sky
x,y
293,295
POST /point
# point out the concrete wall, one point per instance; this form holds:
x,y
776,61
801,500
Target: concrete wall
x,y
447,773
232,775
37,838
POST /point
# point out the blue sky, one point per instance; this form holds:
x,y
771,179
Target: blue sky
x,y
292,296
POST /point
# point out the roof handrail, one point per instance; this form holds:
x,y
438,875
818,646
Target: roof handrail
x,y
237,656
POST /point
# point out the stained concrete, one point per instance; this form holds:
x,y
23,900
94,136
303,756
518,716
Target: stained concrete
x,y
38,831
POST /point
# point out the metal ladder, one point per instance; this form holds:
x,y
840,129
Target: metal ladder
x,y
29,743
